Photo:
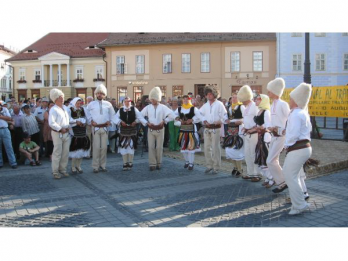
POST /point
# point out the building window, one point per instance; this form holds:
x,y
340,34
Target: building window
x,y
297,62
257,61
99,72
37,75
164,90
296,34
178,90
121,93
137,93
79,73
185,62
345,63
167,63
344,34
205,62
140,64
235,61
320,34
22,74
120,65
320,62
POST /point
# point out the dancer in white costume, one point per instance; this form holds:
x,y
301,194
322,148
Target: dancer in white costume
x,y
279,115
245,95
263,121
297,144
234,139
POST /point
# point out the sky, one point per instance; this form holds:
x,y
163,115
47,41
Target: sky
x,y
26,23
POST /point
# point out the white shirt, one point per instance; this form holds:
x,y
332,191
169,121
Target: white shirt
x,y
39,113
158,114
279,113
100,111
214,113
138,116
58,118
299,127
195,119
4,112
248,115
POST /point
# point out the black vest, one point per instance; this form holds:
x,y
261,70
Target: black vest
x,y
237,114
75,114
260,120
188,116
127,116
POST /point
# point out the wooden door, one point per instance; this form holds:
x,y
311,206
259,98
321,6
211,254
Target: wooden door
x,y
22,95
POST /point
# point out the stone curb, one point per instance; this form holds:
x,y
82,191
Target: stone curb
x,y
314,172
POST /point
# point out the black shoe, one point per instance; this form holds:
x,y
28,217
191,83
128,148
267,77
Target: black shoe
x,y
158,167
186,165
306,196
190,167
278,190
125,167
238,174
130,166
234,171
14,166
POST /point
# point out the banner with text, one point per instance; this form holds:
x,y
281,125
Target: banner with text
x,y
331,101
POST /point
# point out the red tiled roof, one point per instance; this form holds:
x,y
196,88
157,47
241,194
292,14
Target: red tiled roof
x,y
3,48
117,39
71,44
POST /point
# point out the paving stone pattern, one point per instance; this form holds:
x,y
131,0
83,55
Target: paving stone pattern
x,y
171,197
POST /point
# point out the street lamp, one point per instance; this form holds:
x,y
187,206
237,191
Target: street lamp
x,y
308,79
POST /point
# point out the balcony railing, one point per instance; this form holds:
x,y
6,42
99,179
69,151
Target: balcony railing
x,y
56,82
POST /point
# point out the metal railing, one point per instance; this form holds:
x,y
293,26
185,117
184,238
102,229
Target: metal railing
x,y
55,83
331,128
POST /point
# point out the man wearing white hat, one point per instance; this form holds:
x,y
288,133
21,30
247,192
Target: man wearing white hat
x,y
279,115
158,115
245,95
297,144
100,112
58,120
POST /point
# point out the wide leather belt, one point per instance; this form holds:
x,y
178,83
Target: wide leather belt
x,y
156,127
213,126
300,144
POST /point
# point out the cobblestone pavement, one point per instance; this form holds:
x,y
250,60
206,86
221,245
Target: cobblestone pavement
x,y
171,197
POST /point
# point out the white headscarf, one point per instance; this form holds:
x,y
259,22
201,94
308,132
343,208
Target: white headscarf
x,y
130,103
73,102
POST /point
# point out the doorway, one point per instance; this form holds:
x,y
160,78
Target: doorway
x,y
199,90
82,93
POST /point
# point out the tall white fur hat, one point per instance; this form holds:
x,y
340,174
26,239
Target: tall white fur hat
x,y
245,94
55,94
155,94
101,88
276,86
301,95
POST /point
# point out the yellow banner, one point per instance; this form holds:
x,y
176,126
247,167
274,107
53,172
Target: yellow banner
x,y
331,101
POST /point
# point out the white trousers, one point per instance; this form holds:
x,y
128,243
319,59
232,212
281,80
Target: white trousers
x,y
275,148
189,157
100,145
155,145
60,155
293,163
250,142
212,148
